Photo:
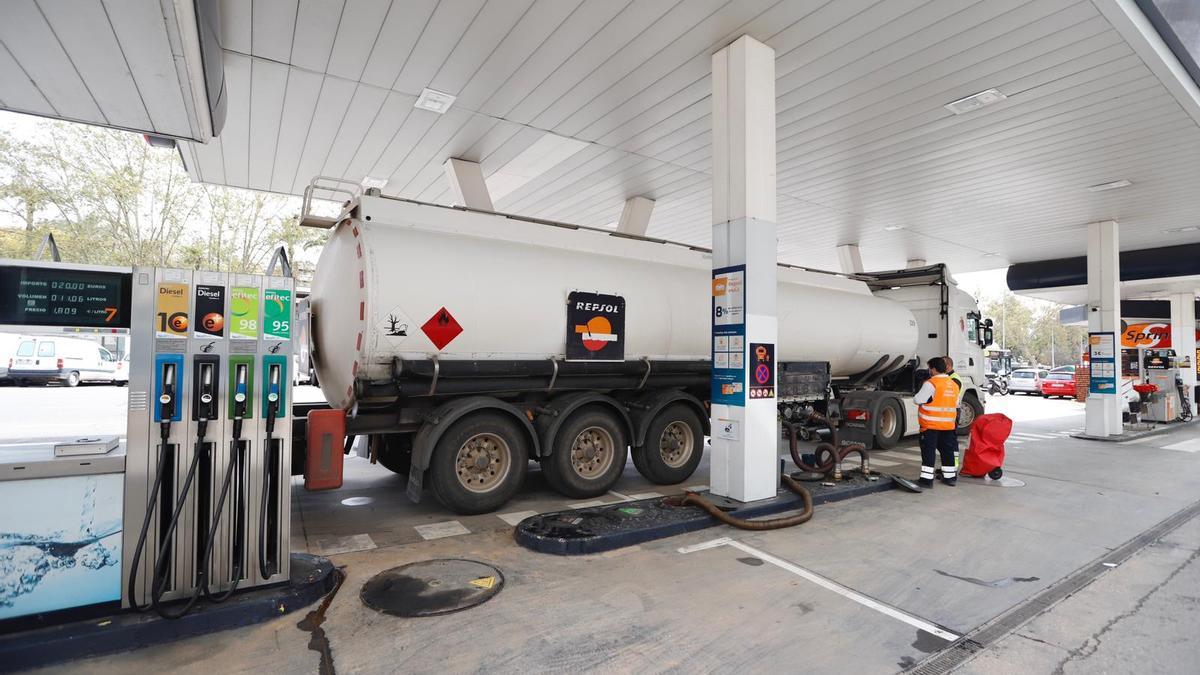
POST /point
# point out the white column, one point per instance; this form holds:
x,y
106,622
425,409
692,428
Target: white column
x,y
467,184
745,457
850,259
1183,339
1103,411
635,217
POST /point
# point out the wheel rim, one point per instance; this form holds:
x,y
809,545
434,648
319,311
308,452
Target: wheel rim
x,y
887,422
966,415
676,444
592,452
483,462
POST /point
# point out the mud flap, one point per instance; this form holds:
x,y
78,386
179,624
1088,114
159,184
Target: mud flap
x,y
415,476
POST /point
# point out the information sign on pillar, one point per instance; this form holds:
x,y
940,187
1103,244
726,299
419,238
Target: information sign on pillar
x,y
745,464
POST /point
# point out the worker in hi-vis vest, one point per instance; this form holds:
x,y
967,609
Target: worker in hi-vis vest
x,y
937,412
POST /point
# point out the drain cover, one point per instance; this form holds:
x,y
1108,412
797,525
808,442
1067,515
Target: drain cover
x,y
432,587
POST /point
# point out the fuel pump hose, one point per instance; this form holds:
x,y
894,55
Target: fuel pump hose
x,y
160,577
151,504
693,499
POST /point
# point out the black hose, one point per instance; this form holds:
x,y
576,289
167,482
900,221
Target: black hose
x,y
266,565
150,506
693,499
160,579
235,465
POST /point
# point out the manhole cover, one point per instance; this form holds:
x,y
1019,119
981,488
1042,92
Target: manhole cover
x,y
432,587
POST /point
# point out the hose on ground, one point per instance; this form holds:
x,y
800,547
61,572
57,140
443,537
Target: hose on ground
x,y
693,499
829,458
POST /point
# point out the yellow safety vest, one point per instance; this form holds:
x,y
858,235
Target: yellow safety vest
x,y
941,412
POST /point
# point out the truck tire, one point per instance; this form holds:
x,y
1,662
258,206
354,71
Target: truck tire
x,y
968,412
479,463
673,448
395,453
889,424
72,379
588,453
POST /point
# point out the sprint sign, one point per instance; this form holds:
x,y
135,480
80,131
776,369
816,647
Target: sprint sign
x,y
595,327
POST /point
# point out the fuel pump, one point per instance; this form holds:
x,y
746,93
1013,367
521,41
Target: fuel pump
x,y
235,474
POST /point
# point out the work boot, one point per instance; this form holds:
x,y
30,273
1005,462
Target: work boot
x,y
949,481
926,483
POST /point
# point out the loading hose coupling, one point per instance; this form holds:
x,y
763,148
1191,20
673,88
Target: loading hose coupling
x,y
694,499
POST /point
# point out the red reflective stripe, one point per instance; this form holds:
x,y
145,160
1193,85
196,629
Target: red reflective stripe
x,y
362,279
359,250
358,347
354,370
355,230
362,310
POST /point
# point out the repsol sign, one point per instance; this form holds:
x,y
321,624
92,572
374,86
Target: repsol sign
x,y
595,327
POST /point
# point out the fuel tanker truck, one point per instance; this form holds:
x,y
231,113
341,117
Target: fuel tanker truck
x,y
464,344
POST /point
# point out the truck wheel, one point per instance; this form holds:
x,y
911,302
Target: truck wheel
x,y
970,409
673,448
588,454
479,463
72,379
889,425
395,453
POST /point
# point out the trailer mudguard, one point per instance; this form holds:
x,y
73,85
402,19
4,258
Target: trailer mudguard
x,y
645,408
559,409
857,431
439,421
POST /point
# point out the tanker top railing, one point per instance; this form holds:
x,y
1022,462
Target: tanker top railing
x,y
329,186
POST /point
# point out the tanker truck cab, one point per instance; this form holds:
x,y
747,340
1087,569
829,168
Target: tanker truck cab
x,y
949,324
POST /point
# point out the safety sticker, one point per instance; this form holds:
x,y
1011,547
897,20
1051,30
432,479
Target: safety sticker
x,y
441,328
762,367
485,583
172,314
729,334
210,307
396,326
277,314
243,310
595,327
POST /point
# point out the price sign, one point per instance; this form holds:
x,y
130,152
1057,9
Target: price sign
x,y
243,312
44,296
277,314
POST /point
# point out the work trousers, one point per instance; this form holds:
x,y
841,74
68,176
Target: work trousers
x,y
934,441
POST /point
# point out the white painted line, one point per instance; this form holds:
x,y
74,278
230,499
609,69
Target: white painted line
x,y
618,495
587,505
893,454
883,462
515,517
696,488
326,546
1035,437
1190,445
644,495
830,585
1013,441
450,528
712,543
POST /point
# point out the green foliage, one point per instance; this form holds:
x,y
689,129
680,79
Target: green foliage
x,y
111,198
1032,331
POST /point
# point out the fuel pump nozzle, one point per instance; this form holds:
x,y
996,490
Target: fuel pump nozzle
x,y
167,401
240,391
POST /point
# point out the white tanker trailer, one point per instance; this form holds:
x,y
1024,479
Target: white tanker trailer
x,y
466,343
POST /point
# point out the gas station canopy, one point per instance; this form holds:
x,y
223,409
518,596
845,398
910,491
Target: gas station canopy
x,y
572,107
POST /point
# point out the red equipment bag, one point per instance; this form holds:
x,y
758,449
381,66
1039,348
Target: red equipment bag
x,y
326,440
986,451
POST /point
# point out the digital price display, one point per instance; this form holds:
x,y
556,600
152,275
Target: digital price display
x,y
48,296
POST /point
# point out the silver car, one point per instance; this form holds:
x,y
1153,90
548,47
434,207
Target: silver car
x,y
1027,381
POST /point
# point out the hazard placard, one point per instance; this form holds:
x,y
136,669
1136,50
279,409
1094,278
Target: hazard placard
x,y
483,582
441,328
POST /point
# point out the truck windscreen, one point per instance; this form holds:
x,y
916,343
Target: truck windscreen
x,y
48,296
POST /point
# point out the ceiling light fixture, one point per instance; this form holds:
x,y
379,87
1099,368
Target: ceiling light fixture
x,y
372,182
1109,186
892,228
975,101
434,101
991,255
1177,230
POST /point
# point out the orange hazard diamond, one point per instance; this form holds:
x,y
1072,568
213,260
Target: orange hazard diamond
x,y
441,328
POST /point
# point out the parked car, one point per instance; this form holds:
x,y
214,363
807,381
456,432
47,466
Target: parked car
x,y
70,361
1063,369
1060,383
121,377
8,353
1027,381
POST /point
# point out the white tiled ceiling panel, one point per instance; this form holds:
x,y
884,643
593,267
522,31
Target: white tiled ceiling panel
x,y
115,63
573,106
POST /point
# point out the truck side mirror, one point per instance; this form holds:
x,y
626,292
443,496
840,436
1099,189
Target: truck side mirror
x,y
988,323
987,335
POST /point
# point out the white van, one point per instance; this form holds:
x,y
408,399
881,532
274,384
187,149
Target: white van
x,y
41,359
8,351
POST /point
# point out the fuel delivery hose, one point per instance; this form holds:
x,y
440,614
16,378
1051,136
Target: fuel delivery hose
x,y
828,457
160,576
150,505
693,499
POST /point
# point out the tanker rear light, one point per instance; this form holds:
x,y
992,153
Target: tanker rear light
x,y
858,415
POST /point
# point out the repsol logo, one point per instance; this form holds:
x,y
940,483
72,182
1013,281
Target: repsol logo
x,y
597,307
206,293
163,290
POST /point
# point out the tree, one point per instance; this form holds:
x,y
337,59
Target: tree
x,y
1031,329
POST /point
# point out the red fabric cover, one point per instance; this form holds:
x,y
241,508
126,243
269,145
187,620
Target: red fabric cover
x,y
986,451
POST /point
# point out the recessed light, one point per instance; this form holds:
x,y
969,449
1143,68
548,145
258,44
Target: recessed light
x,y
371,182
434,101
975,101
991,255
892,228
1189,228
1109,186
